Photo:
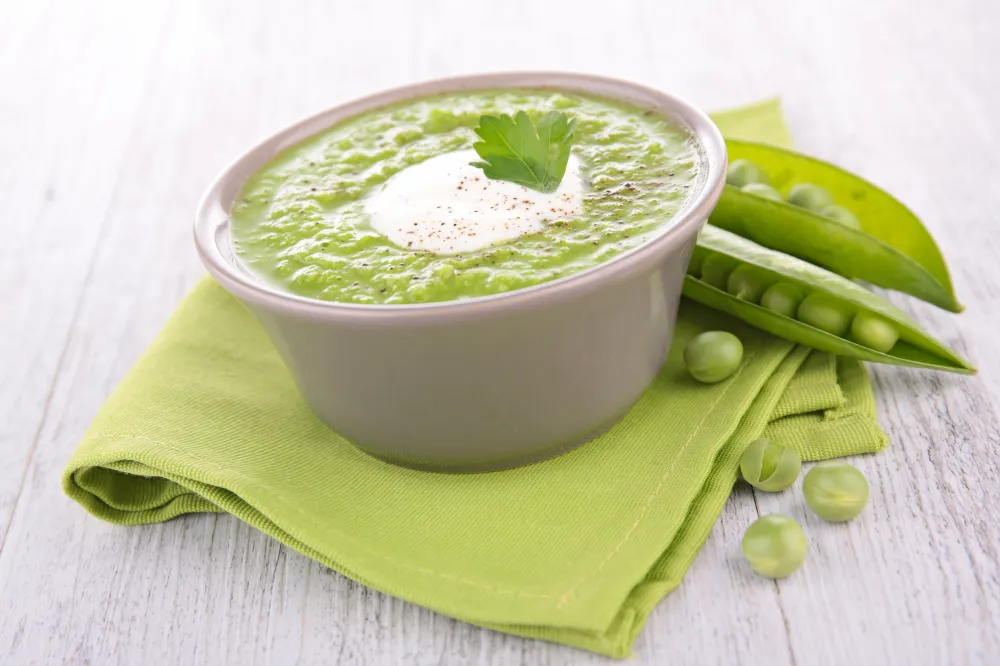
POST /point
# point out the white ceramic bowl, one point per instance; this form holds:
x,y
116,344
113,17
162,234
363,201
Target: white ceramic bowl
x,y
490,382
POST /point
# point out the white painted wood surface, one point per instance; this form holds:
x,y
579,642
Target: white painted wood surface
x,y
115,115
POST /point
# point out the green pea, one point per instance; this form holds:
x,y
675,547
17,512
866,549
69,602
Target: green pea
x,y
715,270
769,465
694,265
774,545
713,356
841,215
835,490
824,313
744,172
761,190
874,332
811,197
783,298
747,283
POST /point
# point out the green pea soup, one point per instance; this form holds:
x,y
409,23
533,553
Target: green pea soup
x,y
304,223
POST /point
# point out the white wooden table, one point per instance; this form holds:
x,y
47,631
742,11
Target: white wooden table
x,y
115,115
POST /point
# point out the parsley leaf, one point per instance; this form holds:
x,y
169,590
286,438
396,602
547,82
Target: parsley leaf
x,y
513,149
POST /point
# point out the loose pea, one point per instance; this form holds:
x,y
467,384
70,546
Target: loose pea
x,y
761,190
811,197
874,332
713,356
744,172
841,215
715,270
769,465
823,313
783,298
835,490
774,545
747,282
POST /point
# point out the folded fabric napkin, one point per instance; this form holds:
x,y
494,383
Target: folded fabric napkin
x,y
577,549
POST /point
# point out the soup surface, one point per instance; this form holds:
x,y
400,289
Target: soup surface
x,y
385,208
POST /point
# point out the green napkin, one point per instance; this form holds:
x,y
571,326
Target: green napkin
x,y
577,549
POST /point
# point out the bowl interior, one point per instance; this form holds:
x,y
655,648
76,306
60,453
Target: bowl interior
x,y
212,223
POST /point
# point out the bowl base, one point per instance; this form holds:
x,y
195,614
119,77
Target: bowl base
x,y
496,465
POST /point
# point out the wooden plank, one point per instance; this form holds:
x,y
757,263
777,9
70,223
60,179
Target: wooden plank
x,y
69,107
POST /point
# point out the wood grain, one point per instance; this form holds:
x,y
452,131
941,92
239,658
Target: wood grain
x,y
115,115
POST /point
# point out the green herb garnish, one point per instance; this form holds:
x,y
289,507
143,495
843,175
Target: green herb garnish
x,y
514,150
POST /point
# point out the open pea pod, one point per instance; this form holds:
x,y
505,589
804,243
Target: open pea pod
x,y
914,347
893,249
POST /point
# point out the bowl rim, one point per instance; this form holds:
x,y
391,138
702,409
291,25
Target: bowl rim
x,y
213,214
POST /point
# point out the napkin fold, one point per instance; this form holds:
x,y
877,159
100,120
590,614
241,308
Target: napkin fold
x,y
577,549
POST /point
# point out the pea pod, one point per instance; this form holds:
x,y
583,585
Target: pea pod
x,y
914,347
892,249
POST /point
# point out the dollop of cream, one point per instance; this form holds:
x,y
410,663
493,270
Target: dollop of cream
x,y
447,206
